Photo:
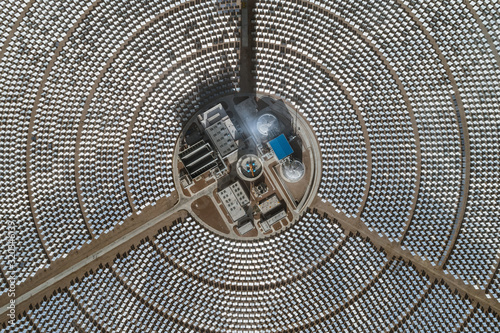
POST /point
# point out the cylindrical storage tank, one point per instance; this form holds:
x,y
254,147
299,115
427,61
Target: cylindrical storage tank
x,y
293,171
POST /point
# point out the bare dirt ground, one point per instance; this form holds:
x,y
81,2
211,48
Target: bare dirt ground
x,y
205,207
200,185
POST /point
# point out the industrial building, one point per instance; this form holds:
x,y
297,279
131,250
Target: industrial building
x,y
249,166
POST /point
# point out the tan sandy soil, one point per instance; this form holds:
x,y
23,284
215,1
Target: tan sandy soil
x,y
205,207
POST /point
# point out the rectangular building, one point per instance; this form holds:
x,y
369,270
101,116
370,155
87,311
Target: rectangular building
x,y
243,229
269,204
240,194
222,138
281,147
234,200
199,158
267,224
212,116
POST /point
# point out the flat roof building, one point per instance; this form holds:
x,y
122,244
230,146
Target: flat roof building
x,y
234,200
246,227
281,147
222,138
199,158
212,115
240,194
267,224
269,204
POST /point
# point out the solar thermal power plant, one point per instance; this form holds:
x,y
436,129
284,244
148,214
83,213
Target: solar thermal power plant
x,y
250,166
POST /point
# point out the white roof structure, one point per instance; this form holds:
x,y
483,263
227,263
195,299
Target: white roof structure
x,y
240,193
246,227
234,200
212,115
222,138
